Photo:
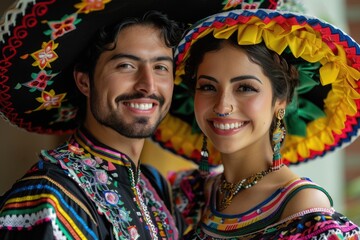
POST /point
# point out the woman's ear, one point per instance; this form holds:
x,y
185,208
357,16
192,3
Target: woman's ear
x,y
82,82
280,104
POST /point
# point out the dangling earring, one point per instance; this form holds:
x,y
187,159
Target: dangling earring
x,y
204,164
278,136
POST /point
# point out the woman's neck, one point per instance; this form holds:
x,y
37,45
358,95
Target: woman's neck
x,y
241,165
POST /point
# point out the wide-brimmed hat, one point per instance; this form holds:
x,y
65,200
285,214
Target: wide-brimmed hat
x,y
40,40
324,113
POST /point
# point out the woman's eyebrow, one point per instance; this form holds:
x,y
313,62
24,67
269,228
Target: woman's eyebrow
x,y
232,80
245,77
208,78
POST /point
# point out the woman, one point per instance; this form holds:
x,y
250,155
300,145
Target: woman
x,y
244,67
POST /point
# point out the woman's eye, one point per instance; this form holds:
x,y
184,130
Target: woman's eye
x,y
206,87
247,88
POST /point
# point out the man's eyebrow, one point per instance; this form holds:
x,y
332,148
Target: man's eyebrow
x,y
122,55
136,58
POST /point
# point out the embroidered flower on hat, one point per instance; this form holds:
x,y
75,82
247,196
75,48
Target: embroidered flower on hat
x,y
45,55
65,25
49,100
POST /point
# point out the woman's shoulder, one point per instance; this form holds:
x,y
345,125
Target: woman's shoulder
x,y
304,194
313,224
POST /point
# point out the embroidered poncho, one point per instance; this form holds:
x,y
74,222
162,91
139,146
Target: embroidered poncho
x,y
84,190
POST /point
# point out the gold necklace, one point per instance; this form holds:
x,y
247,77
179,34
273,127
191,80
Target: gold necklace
x,y
229,190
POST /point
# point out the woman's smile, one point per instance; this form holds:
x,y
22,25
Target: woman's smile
x,y
228,125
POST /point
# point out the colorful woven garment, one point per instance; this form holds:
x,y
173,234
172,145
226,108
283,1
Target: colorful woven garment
x,y
260,222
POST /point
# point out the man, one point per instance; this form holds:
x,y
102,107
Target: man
x,y
92,186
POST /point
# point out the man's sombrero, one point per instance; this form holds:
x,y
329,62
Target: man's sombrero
x,y
324,114
39,41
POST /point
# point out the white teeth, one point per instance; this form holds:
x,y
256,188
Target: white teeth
x,y
141,106
228,126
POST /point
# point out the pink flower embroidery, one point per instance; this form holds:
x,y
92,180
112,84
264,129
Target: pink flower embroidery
x,y
101,177
90,162
111,197
65,25
40,80
133,233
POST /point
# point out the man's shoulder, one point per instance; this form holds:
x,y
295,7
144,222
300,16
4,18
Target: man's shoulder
x,y
44,178
47,200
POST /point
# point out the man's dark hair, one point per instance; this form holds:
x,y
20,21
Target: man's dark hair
x,y
106,37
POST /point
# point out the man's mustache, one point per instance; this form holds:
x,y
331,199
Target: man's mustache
x,y
127,97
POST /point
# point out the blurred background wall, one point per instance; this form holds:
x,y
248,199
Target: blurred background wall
x,y
338,172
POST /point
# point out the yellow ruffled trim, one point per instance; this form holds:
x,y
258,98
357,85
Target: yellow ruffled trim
x,y
306,43
183,140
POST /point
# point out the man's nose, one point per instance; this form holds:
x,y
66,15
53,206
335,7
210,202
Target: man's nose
x,y
146,80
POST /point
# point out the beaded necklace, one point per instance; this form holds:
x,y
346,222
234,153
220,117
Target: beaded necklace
x,y
229,190
143,207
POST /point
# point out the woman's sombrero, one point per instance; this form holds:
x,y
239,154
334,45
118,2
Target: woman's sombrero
x,y
39,41
324,113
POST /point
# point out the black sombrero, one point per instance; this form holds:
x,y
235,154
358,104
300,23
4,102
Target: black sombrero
x,y
324,114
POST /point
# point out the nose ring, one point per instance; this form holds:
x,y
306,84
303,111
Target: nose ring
x,y
224,114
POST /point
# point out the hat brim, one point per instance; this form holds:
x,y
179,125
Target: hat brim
x,y
39,42
324,114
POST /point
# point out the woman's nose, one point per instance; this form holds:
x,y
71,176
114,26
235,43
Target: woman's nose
x,y
223,106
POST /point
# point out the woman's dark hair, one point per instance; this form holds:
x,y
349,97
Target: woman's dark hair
x,y
105,39
283,76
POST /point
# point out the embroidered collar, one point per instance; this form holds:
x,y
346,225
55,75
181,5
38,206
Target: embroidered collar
x,y
90,164
98,149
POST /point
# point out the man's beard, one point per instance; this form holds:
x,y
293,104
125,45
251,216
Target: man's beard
x,y
140,128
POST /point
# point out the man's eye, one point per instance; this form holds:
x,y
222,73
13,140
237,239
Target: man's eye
x,y
161,67
124,65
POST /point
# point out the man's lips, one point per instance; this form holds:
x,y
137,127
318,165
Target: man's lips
x,y
140,106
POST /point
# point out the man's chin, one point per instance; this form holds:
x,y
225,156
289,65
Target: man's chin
x,y
138,131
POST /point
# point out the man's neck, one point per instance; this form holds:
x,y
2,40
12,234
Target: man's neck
x,y
132,147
